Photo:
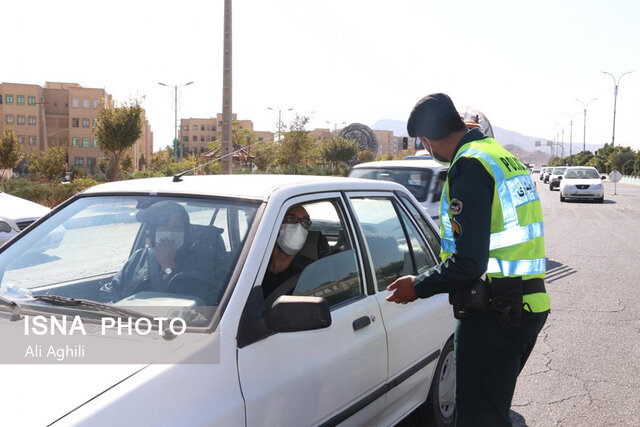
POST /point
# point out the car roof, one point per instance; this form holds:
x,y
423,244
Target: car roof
x,y
254,186
412,163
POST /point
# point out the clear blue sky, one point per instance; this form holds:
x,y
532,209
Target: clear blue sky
x,y
522,63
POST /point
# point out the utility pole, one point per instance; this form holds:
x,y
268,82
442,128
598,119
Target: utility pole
x,y
571,116
584,122
227,161
616,83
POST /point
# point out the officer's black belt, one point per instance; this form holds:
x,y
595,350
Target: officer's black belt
x,y
533,286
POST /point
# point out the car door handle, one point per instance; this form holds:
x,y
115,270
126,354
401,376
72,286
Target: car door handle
x,y
361,322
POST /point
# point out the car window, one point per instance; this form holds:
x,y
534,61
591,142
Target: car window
x,y
115,249
417,181
325,266
437,191
432,237
385,238
422,258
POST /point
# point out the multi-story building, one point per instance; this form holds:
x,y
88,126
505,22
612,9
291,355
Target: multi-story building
x,y
196,134
319,135
21,108
62,114
385,142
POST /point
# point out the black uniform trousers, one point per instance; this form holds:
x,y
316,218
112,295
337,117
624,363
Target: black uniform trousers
x,y
489,358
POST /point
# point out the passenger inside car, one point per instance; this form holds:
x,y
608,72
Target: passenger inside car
x,y
296,247
174,259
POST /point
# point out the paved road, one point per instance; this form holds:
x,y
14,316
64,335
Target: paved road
x,y
585,369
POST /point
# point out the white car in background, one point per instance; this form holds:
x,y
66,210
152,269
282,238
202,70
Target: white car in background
x,y
581,182
324,349
16,214
554,177
423,178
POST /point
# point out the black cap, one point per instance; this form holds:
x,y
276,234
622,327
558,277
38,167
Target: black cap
x,y
430,114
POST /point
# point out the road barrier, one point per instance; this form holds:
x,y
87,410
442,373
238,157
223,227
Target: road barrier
x,y
627,179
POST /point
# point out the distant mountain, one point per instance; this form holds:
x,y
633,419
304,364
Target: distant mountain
x,y
503,136
537,157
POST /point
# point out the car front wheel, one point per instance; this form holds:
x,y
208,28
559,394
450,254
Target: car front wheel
x,y
440,407
562,199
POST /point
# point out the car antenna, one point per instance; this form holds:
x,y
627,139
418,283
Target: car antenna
x,y
178,177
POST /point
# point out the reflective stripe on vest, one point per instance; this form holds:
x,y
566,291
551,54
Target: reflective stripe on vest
x,y
520,267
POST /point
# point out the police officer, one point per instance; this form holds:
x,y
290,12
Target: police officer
x,y
493,260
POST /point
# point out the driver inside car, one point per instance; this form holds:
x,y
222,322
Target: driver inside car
x,y
296,247
170,261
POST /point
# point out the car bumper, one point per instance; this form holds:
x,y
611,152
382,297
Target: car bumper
x,y
583,194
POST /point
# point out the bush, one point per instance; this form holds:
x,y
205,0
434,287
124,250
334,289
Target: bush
x,y
45,194
627,167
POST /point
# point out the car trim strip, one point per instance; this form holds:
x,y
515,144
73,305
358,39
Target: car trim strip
x,y
381,391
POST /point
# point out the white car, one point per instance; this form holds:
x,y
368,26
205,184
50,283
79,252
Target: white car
x,y
554,177
581,182
16,214
423,178
330,349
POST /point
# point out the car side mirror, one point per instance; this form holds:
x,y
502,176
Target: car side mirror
x,y
603,177
559,177
292,313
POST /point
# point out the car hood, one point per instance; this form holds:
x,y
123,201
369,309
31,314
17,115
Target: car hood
x,y
581,181
41,394
15,208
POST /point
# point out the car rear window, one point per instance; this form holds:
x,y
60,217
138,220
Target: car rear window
x,y
417,181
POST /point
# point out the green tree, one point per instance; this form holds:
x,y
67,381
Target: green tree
x,y
620,158
636,165
51,164
296,148
365,156
337,149
10,152
127,163
142,162
264,155
117,129
628,167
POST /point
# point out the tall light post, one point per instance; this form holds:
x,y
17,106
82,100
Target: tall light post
x,y
571,116
584,121
279,119
616,83
175,123
335,125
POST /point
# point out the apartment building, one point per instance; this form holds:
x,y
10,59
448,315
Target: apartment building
x,y
21,108
62,114
196,134
386,141
319,135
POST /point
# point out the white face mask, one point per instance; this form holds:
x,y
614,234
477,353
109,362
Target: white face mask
x,y
291,238
176,237
442,162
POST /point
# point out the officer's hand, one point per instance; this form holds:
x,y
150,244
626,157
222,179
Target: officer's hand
x,y
403,290
166,253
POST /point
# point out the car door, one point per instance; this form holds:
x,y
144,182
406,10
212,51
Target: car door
x,y
327,375
416,332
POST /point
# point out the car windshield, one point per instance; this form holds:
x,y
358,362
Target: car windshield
x,y
559,171
131,250
582,174
417,181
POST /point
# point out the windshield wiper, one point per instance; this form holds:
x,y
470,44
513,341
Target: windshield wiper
x,y
15,308
80,302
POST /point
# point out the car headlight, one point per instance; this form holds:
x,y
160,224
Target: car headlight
x,y
4,227
597,187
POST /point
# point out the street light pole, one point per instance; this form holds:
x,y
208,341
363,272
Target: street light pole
x,y
335,125
227,119
279,120
571,116
175,119
615,101
584,121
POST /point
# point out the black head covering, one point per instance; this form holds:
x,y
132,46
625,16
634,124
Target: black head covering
x,y
430,114
160,213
